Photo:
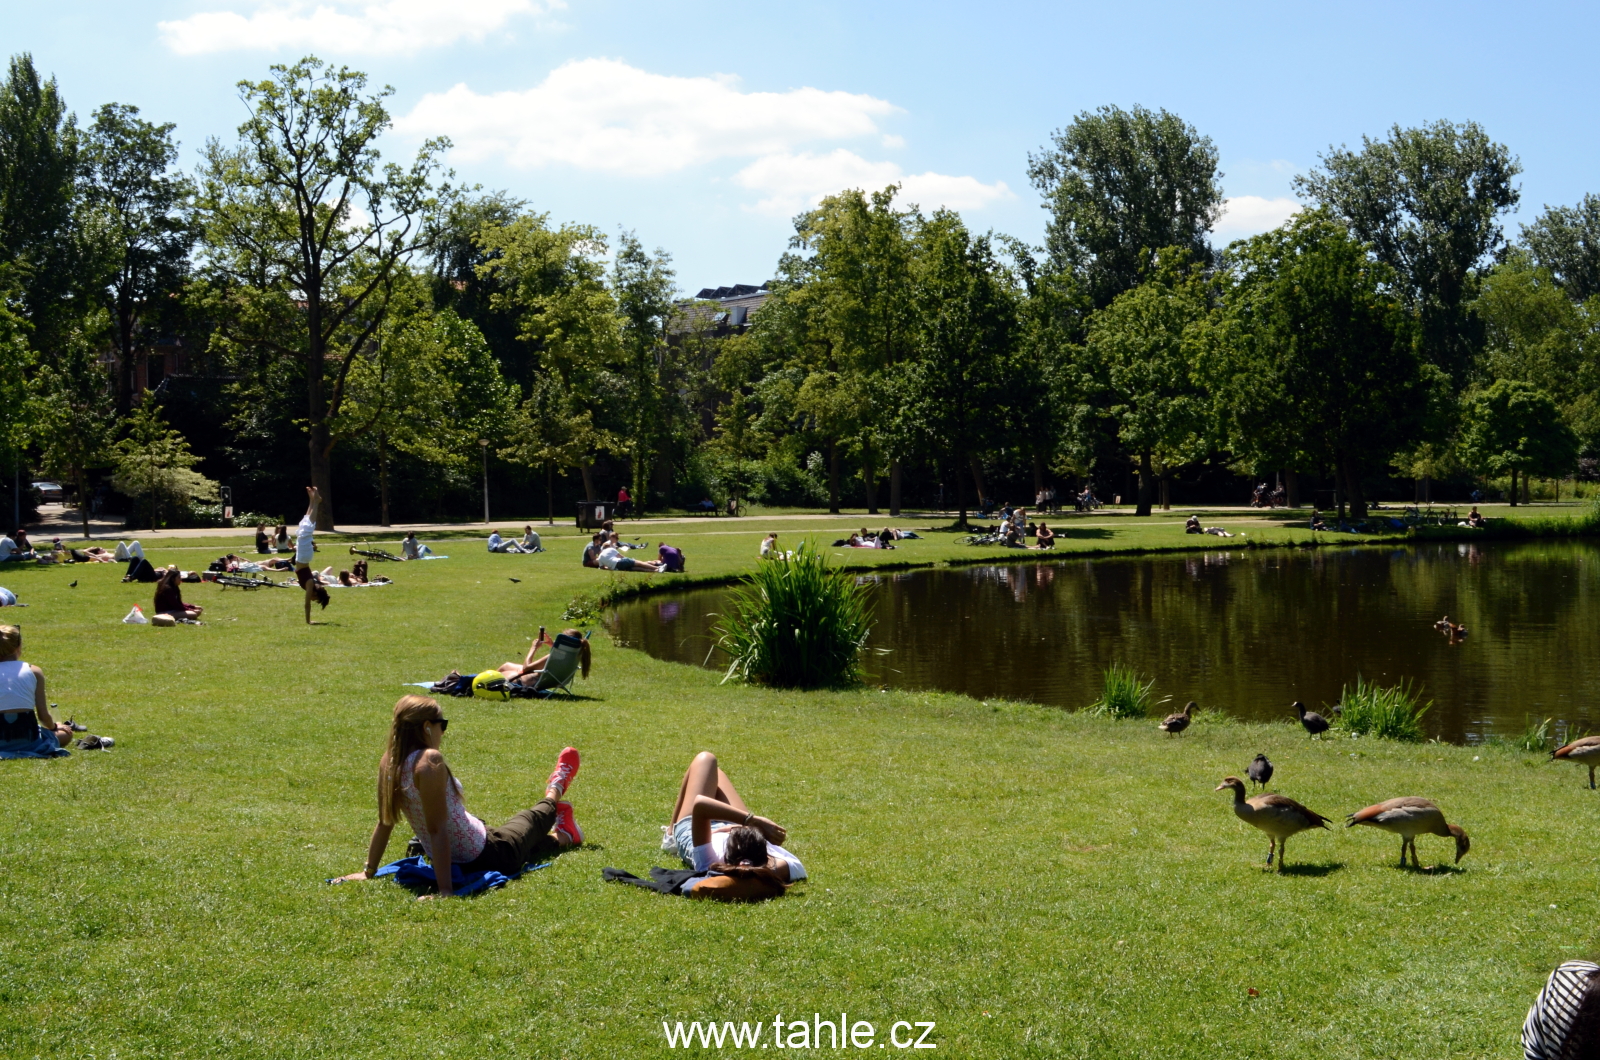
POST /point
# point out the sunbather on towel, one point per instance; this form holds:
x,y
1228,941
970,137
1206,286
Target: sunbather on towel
x,y
530,669
22,691
411,548
713,831
415,781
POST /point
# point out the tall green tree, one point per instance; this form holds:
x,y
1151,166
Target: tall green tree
x,y
137,219
1429,202
554,281
76,423
1144,355
1120,186
646,294
304,229
966,312
1513,426
155,464
1323,363
39,149
1565,240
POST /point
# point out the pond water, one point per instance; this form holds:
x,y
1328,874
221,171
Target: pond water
x,y
1244,632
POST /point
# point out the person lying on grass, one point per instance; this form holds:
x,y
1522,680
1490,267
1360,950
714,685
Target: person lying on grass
x,y
717,835
415,781
22,690
529,671
611,558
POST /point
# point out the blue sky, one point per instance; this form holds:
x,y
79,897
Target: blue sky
x,y
706,127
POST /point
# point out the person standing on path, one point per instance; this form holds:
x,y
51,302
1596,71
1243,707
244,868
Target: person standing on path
x,y
305,549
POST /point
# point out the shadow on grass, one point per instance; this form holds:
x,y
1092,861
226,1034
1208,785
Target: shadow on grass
x,y
1325,868
1433,870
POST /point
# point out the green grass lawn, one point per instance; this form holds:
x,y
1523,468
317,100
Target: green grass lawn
x,y
1035,882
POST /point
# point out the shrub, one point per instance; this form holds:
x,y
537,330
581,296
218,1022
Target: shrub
x,y
797,624
1393,713
1533,737
1122,696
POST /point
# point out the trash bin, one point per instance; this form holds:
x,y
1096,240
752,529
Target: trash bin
x,y
593,514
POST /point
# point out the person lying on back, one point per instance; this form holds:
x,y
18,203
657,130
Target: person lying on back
x,y
734,851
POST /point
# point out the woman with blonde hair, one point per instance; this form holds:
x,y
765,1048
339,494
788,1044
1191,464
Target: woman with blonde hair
x,y
414,781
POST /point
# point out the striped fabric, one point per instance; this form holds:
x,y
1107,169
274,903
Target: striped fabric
x,y
1550,1018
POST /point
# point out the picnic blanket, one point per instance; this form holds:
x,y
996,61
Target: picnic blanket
x,y
416,873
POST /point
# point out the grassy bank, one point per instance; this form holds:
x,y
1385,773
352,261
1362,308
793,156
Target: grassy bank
x,y
1034,882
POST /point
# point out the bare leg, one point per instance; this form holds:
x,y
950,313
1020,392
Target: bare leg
x,y
63,734
702,778
727,793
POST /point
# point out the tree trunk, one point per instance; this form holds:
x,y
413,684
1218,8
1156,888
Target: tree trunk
x,y
1527,488
1038,481
1146,484
1513,487
833,478
961,497
83,499
894,488
869,478
550,490
977,480
1166,494
1291,485
383,478
1358,503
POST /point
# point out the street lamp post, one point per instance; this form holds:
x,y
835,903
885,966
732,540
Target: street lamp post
x,y
483,447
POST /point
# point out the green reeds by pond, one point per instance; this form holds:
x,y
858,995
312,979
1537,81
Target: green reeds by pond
x,y
796,623
1393,713
1123,695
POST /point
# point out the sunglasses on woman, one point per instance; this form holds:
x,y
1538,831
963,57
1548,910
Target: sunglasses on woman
x,y
443,723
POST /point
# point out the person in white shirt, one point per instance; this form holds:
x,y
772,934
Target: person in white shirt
x,y
8,549
411,548
611,558
22,692
769,544
305,550
713,831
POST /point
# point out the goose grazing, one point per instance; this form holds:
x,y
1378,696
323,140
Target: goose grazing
x,y
1260,770
1277,815
1584,751
1176,723
1315,723
1408,818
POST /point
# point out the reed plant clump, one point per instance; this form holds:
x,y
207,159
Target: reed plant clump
x,y
1535,737
1393,713
1123,696
796,623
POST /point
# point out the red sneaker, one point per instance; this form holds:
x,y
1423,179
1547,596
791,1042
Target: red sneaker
x,y
566,825
565,771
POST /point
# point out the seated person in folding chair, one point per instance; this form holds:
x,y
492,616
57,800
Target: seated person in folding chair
x,y
713,830
571,655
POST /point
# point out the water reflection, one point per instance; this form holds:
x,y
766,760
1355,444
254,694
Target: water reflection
x,y
1243,631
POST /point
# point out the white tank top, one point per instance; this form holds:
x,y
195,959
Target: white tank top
x,y
17,684
466,831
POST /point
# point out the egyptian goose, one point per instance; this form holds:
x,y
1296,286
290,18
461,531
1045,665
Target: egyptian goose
x,y
1277,815
1408,818
1584,751
1315,723
1260,770
1176,723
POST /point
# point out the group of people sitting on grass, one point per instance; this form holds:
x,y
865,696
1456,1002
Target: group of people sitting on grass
x,y
529,544
1192,526
730,852
607,551
865,538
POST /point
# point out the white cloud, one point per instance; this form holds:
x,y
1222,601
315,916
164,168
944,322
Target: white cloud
x,y
604,114
793,182
1246,215
344,26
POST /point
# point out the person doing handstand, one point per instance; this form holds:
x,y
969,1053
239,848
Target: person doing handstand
x,y
415,781
305,550
713,831
531,669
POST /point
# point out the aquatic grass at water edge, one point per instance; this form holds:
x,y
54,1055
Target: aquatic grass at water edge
x,y
1393,713
1123,696
797,624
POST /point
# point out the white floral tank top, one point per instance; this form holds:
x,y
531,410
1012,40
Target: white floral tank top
x,y
466,831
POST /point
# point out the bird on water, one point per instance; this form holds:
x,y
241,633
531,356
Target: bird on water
x,y
1260,770
1277,815
1176,723
1408,818
1584,751
1315,723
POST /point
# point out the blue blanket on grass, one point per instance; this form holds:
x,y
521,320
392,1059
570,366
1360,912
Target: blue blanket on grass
x,y
416,873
